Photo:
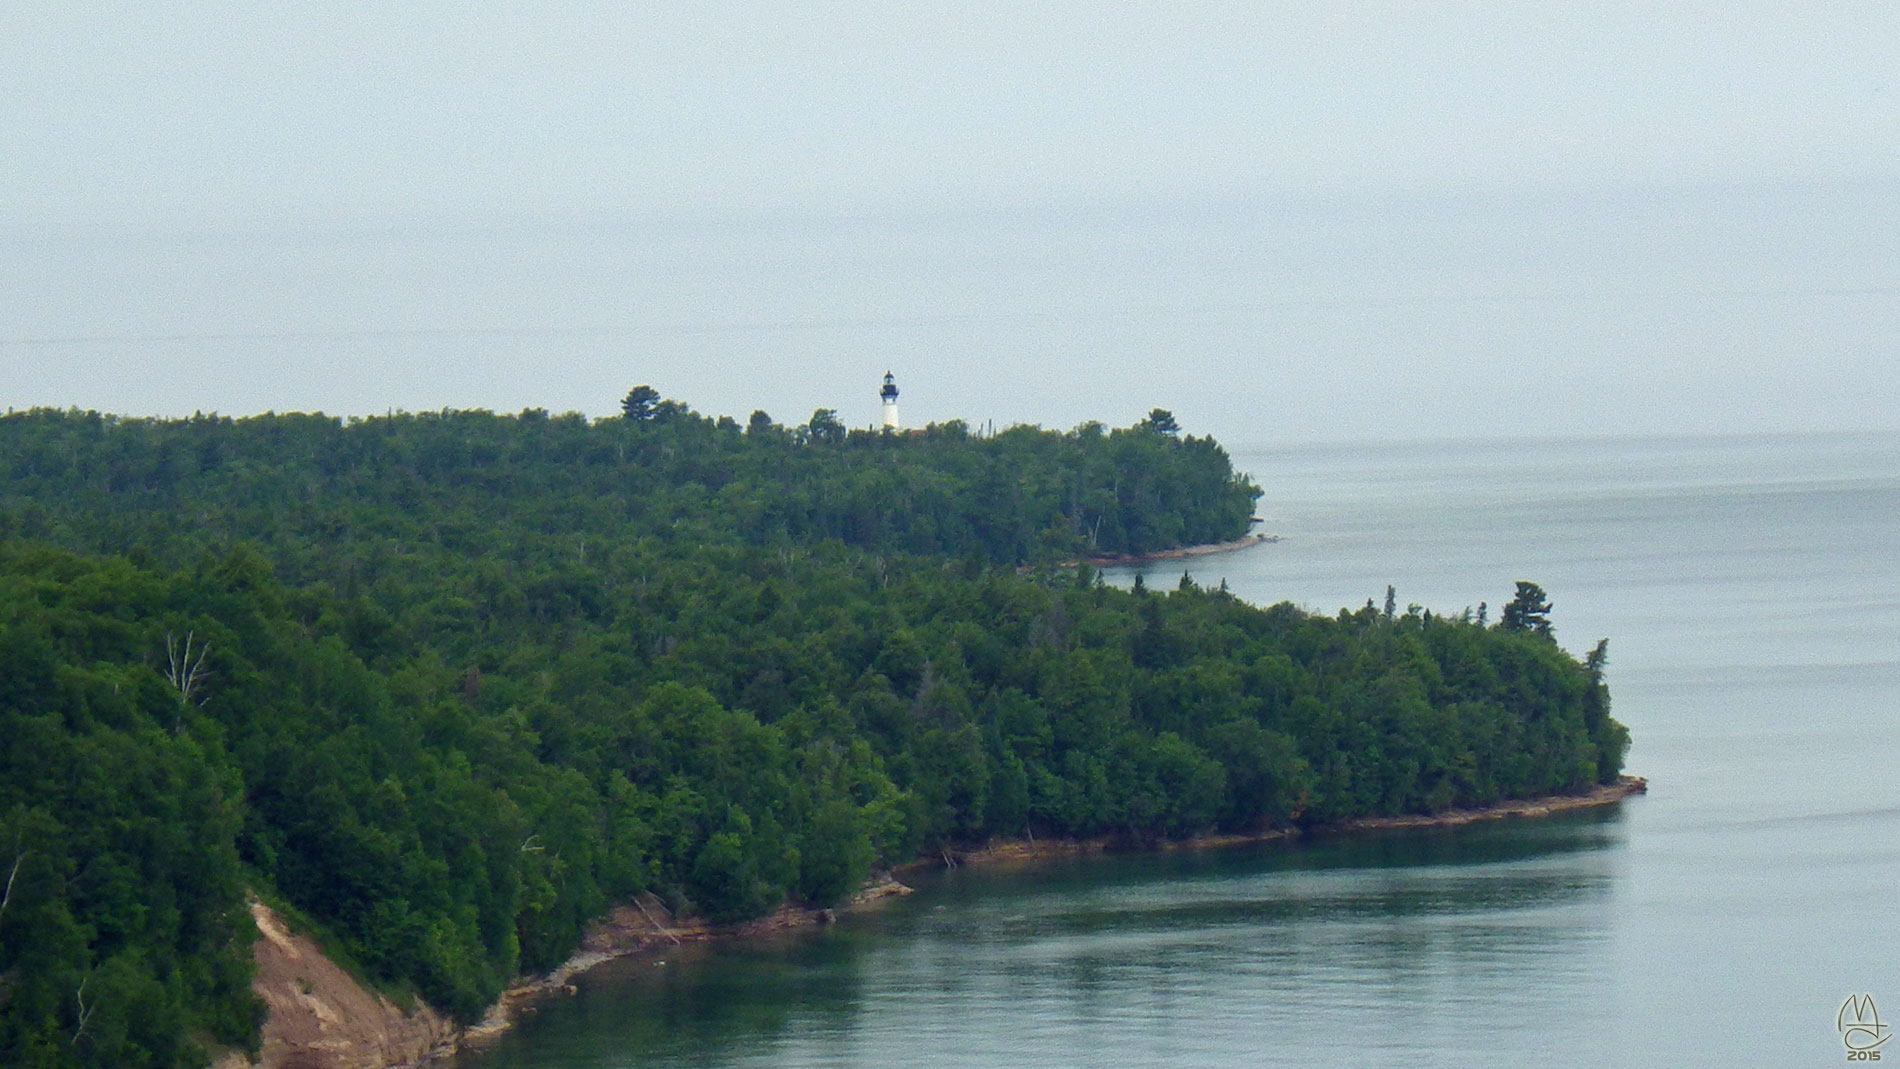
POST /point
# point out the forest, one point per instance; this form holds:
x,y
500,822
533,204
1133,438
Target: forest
x,y
445,686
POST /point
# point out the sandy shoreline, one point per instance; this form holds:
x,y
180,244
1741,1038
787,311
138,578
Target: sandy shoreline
x,y
1112,560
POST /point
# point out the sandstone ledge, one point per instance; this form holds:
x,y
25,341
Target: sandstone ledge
x,y
321,1018
646,926
1607,794
1006,851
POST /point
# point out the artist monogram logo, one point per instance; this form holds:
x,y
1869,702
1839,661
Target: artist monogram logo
x,y
1860,1028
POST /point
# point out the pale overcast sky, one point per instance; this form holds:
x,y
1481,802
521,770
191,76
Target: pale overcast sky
x,y
1284,221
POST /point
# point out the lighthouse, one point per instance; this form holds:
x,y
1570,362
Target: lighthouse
x,y
889,396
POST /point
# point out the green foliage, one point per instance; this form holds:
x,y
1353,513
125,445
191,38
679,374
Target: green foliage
x,y
1161,421
638,406
122,928
1528,611
305,487
471,679
825,427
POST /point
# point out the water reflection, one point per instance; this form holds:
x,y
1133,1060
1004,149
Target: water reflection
x,y
1187,958
1741,582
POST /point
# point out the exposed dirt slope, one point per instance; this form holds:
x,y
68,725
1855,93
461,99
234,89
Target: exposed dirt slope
x,y
321,1018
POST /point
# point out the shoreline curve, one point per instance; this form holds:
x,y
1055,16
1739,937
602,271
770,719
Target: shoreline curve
x,y
1001,851
634,929
1208,549
645,926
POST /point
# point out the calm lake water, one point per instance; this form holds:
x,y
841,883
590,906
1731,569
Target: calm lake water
x,y
1748,589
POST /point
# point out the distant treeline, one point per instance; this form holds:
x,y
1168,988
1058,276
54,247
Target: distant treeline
x,y
480,482
446,686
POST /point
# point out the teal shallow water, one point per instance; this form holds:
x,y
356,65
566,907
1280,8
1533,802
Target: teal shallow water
x,y
1748,589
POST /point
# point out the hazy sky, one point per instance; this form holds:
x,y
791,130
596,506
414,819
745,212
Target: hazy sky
x,y
1283,221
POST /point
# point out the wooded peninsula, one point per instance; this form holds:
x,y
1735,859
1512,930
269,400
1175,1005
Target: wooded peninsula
x,y
442,688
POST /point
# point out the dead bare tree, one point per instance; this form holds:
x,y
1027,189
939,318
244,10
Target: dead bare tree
x,y
654,921
85,1012
11,876
185,672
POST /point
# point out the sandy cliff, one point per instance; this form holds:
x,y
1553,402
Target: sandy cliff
x,y
321,1018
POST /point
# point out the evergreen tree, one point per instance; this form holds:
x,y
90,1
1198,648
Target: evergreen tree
x,y
640,404
1528,611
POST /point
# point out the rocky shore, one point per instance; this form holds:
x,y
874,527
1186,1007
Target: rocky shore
x,y
321,1018
1005,851
645,926
1608,794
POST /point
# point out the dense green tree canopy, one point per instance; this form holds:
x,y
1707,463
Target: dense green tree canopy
x,y
465,680
1021,496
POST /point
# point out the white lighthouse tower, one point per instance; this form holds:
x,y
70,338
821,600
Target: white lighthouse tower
x,y
889,396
